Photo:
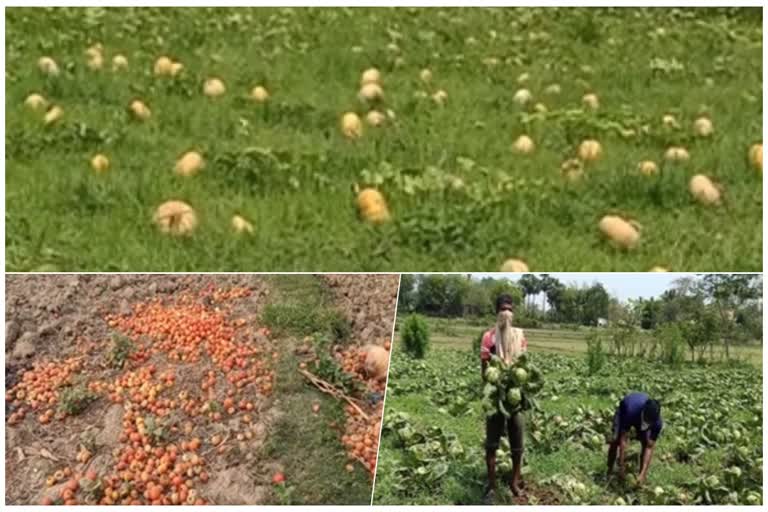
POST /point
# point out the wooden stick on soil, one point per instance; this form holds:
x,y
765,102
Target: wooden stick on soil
x,y
330,389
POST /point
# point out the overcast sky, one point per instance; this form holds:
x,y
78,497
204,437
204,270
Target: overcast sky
x,y
623,286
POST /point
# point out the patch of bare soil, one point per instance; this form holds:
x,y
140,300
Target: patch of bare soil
x,y
176,423
368,301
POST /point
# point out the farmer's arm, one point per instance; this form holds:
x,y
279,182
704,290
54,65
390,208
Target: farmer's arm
x,y
647,455
483,366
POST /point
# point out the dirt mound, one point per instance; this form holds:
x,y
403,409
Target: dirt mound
x,y
367,302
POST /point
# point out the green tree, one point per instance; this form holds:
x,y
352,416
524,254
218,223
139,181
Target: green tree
x,y
594,302
441,295
407,290
416,336
729,293
531,286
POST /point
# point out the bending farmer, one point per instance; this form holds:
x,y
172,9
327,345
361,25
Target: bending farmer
x,y
640,412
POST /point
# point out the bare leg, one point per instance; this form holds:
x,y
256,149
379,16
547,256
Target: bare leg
x,y
517,465
490,462
614,446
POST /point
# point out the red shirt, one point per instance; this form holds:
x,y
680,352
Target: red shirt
x,y
488,346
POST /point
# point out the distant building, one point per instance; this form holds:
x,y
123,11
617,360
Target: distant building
x,y
602,322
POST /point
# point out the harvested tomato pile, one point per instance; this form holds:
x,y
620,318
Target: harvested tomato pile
x,y
361,434
39,389
161,458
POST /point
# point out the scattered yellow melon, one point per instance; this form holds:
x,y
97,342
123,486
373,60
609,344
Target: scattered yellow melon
x,y
703,127
553,89
756,157
372,206
95,57
704,190
259,94
440,97
48,66
240,225
176,68
100,164
371,91
36,102
375,118
524,145
163,66
522,97
140,110
621,232
670,121
572,169
189,164
513,265
590,101
425,76
590,150
677,154
370,76
119,62
351,126
648,168
214,87
175,218
659,269
54,114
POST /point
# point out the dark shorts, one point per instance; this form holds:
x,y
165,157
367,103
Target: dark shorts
x,y
496,425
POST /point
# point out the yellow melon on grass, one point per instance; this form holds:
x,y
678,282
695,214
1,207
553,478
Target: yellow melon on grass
x,y
241,226
648,168
259,94
524,145
622,233
48,66
590,101
440,97
119,63
371,92
703,127
140,110
514,265
189,164
372,206
175,218
425,75
163,66
704,190
214,87
100,163
590,150
572,169
176,68
54,114
95,57
36,102
370,76
659,269
522,97
375,118
677,154
351,126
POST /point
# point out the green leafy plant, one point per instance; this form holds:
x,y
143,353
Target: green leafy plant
x,y
75,399
121,351
416,336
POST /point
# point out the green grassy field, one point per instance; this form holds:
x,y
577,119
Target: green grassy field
x,y
431,450
460,197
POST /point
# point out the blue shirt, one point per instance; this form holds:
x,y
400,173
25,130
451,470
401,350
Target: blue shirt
x,y
630,415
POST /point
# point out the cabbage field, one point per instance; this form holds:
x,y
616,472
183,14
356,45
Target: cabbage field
x,y
170,139
432,441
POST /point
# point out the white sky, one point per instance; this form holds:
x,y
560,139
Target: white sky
x,y
622,286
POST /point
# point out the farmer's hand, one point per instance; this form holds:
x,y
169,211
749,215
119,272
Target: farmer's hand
x,y
641,480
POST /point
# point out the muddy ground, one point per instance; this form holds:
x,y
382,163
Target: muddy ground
x,y
53,317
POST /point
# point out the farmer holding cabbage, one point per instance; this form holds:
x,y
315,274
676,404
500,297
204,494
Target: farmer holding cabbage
x,y
508,343
638,411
